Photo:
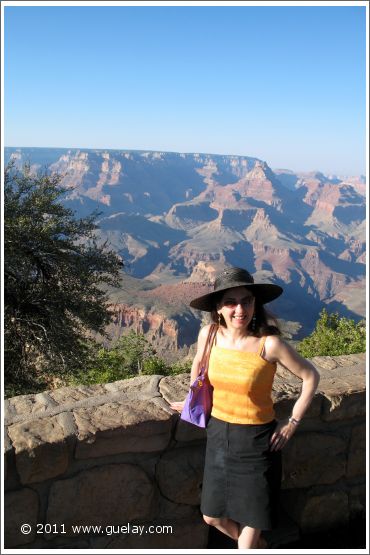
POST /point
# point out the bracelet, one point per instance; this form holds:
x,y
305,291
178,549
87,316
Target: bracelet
x,y
293,421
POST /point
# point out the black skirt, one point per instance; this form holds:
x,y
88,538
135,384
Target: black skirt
x,y
242,476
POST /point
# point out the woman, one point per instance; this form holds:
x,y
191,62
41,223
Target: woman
x,y
242,471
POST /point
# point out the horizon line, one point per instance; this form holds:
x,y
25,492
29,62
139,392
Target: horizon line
x,y
360,174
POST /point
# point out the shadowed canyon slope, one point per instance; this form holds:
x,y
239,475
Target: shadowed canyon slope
x,y
177,218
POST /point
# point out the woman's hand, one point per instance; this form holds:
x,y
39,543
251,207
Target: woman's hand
x,y
177,405
283,432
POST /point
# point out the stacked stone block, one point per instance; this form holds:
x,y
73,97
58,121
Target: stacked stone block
x,y
116,454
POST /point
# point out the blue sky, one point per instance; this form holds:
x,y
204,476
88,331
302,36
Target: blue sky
x,y
284,84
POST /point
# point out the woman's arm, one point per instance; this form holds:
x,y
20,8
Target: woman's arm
x,y
279,351
202,339
195,367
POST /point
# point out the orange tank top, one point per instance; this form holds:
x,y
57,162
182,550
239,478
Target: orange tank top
x,y
242,385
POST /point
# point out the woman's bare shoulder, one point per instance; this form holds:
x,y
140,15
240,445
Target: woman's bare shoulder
x,y
202,339
274,340
203,334
273,344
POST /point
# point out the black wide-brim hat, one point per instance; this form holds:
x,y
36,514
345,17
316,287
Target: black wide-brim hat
x,y
236,277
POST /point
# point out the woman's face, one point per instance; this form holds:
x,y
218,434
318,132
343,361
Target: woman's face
x,y
237,307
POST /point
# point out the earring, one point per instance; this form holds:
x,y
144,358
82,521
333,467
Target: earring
x,y
219,318
253,326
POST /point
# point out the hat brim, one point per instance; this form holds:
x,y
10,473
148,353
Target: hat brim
x,y
264,292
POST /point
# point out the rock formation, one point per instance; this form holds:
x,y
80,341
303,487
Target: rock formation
x,y
177,218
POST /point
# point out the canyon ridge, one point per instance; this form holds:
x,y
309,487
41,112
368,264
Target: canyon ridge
x,y
176,219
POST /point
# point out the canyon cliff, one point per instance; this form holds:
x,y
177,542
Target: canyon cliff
x,y
176,219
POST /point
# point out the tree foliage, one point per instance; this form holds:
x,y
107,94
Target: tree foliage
x,y
131,355
334,335
53,280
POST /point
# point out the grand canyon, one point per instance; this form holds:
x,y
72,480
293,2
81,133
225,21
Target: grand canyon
x,y
176,219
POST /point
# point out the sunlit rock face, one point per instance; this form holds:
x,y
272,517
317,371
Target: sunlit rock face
x,y
176,219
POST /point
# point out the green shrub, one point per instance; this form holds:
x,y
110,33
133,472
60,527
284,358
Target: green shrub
x,y
129,356
334,335
180,367
106,365
154,365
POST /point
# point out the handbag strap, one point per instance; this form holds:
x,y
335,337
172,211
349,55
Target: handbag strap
x,y
207,349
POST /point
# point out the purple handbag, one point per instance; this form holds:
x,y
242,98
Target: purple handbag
x,y
198,403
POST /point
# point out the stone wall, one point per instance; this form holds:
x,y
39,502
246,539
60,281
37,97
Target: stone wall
x,y
116,456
